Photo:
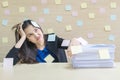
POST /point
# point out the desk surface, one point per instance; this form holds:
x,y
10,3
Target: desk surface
x,y
58,71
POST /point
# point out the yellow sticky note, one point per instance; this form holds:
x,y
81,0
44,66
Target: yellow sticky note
x,y
49,59
76,49
57,1
84,5
5,3
91,15
113,5
21,9
50,30
4,39
68,28
104,53
107,28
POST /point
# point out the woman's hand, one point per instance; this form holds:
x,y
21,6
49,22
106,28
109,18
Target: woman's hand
x,y
20,30
23,36
74,42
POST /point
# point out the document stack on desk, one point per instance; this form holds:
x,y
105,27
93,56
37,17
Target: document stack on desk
x,y
94,55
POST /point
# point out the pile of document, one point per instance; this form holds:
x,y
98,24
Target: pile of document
x,y
94,55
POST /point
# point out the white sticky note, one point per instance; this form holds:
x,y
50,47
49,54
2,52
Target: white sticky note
x,y
8,63
21,9
65,43
107,28
49,59
84,5
76,49
113,5
68,28
51,37
5,3
104,53
91,15
82,41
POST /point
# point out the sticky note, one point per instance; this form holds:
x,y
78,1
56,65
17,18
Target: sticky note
x,y
50,30
104,53
113,5
57,1
5,3
49,59
41,20
79,23
21,9
33,8
4,22
113,17
59,18
107,28
83,5
68,7
43,1
68,27
91,15
90,35
111,37
76,49
46,11
65,43
7,63
4,39
82,41
51,37
74,13
7,12
93,1
102,10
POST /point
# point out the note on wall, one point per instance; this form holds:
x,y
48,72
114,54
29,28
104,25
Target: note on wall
x,y
83,5
4,39
68,27
91,15
113,5
5,4
104,53
57,1
107,28
21,9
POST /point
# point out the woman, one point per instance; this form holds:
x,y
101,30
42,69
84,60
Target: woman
x,y
32,46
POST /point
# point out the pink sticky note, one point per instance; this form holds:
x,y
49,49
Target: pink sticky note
x,y
33,8
93,1
41,20
74,13
90,35
102,10
43,1
7,12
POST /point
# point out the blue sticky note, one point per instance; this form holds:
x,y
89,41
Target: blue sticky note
x,y
111,37
113,17
4,22
59,18
51,37
79,23
68,7
46,11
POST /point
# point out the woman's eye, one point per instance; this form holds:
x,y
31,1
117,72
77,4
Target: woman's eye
x,y
29,35
36,30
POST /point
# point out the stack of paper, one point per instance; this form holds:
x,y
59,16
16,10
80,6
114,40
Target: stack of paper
x,y
94,55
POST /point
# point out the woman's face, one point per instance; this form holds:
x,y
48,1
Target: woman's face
x,y
34,34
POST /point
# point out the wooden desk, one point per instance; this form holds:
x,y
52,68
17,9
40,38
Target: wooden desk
x,y
59,71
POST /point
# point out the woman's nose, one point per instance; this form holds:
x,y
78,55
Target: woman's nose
x,y
36,34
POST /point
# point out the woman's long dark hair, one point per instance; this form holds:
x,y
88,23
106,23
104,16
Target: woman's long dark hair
x,y
28,50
